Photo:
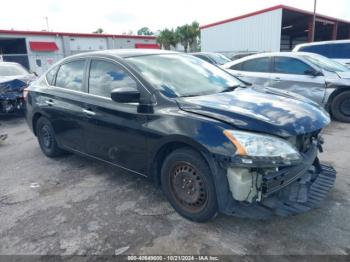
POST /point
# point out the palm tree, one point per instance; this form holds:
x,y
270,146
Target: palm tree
x,y
167,38
195,36
184,34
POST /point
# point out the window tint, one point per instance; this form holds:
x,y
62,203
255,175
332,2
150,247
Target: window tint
x,y
204,58
50,76
317,49
287,65
340,51
236,67
107,76
257,65
71,75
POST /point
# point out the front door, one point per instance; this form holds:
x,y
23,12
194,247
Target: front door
x,y
290,74
113,130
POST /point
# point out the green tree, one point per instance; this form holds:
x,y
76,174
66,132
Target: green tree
x,y
99,31
188,36
194,40
167,38
144,31
183,34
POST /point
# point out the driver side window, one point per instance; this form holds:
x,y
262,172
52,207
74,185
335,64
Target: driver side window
x,y
106,76
288,65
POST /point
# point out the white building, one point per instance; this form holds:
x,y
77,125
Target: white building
x,y
278,28
37,51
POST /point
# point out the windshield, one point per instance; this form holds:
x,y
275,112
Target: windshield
x,y
219,59
183,75
326,63
12,70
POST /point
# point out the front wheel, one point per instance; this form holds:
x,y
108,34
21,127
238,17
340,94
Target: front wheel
x,y
340,107
188,185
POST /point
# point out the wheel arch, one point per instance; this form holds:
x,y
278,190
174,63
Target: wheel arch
x,y
170,145
337,91
35,119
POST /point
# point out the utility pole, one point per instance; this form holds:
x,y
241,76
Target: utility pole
x,y
314,22
47,23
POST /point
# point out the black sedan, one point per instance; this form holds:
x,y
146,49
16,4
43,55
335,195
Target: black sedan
x,y
211,143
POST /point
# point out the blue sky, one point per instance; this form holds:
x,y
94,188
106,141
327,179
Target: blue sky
x,y
118,16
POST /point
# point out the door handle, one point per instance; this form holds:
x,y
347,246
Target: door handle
x,y
89,112
240,75
277,79
49,102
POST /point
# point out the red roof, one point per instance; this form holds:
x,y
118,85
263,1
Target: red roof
x,y
147,46
20,32
43,46
289,8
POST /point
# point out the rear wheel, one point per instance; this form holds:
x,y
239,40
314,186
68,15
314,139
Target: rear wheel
x,y
46,138
341,107
188,185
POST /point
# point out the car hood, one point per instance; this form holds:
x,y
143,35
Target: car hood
x,y
12,84
260,110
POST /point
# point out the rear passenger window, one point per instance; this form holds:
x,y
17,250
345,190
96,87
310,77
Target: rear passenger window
x,y
107,76
261,65
71,75
287,65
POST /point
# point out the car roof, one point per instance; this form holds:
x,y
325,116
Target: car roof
x,y
322,43
261,55
204,53
124,53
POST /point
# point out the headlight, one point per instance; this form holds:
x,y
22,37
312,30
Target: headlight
x,y
261,146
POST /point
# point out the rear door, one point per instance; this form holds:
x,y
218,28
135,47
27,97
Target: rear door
x,y
255,71
114,130
290,74
65,106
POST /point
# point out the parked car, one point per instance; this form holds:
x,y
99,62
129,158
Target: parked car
x,y
13,79
242,55
213,58
338,50
313,76
212,144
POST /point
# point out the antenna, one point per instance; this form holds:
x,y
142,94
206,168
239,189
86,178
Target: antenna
x,y
47,23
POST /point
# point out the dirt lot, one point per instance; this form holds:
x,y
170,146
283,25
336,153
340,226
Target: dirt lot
x,y
73,205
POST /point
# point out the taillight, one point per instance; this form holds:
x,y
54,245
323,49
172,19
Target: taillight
x,y
25,92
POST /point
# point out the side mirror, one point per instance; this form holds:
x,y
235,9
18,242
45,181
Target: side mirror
x,y
313,73
126,95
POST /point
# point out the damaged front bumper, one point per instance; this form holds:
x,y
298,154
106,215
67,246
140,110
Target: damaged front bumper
x,y
263,192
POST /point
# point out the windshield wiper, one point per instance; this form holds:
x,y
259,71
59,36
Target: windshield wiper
x,y
231,88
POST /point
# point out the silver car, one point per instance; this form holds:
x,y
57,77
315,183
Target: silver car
x,y
314,76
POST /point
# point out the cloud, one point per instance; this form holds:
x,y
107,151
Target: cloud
x,y
117,16
120,17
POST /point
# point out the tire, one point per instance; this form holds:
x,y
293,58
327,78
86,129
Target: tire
x,y
188,185
46,138
340,107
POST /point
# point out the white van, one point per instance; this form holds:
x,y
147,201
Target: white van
x,y
338,50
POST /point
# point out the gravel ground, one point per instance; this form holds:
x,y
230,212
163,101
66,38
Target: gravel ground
x,y
73,205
